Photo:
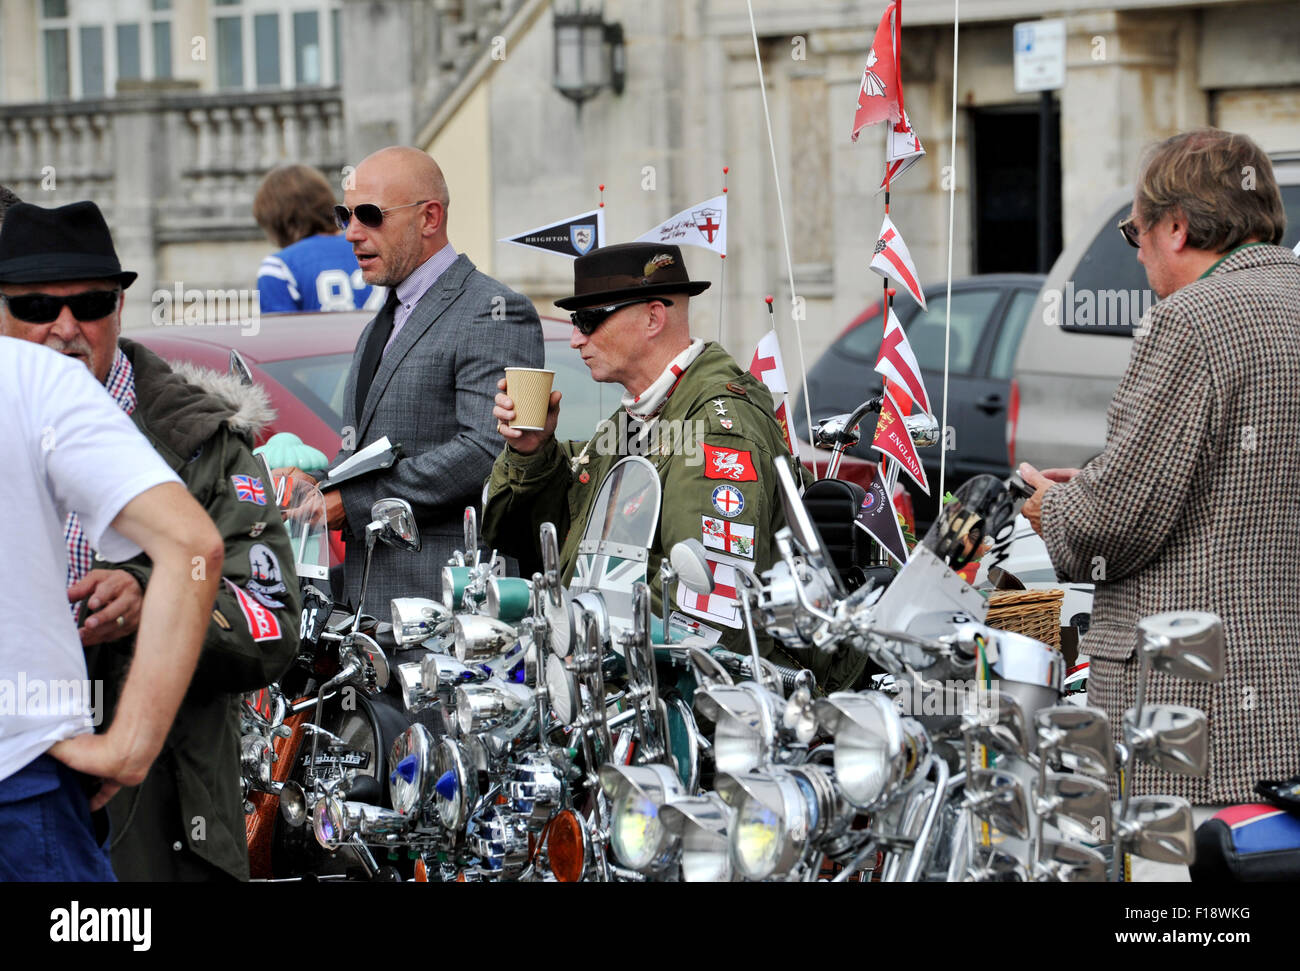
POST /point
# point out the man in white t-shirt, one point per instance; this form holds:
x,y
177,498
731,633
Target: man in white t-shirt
x,y
68,447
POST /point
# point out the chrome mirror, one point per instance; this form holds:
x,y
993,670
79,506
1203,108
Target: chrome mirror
x,y
240,370
923,428
1078,805
701,824
479,637
561,618
1184,644
397,522
1172,737
293,804
708,671
1071,863
1159,828
550,556
376,661
999,799
692,566
563,689
996,719
1081,732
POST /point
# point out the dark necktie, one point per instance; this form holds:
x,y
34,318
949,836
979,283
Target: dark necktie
x,y
374,349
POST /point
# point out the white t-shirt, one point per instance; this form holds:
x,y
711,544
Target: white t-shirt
x,y
65,446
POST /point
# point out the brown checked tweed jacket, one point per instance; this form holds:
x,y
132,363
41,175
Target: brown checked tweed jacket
x,y
1195,505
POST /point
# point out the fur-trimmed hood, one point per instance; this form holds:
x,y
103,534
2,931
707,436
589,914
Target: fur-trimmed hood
x,y
184,405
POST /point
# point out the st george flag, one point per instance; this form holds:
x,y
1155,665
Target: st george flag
x,y
880,98
898,364
902,150
572,237
767,367
703,225
894,440
876,515
891,259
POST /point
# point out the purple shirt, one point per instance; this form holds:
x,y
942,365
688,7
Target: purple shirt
x,y
415,286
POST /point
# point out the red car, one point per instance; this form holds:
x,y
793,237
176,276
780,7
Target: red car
x,y
302,361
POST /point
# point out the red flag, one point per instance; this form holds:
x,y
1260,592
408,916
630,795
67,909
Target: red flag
x,y
897,361
901,397
891,259
893,439
880,98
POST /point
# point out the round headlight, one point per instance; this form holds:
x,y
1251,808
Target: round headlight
x,y
702,823
876,750
478,637
757,838
454,786
745,725
637,793
327,823
636,830
411,757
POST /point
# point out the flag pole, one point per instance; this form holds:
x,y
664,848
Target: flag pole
x,y
785,233
722,271
952,205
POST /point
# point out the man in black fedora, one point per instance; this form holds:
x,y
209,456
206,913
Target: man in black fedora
x,y
61,285
704,422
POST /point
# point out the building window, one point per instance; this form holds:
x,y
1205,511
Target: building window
x,y
57,82
230,52
92,62
162,48
128,52
266,35
306,47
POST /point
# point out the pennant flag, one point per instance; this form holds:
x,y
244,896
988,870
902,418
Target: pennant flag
x,y
892,260
768,368
572,237
898,363
900,397
902,150
894,440
703,225
880,98
876,515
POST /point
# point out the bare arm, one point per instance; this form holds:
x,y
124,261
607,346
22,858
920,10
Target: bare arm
x,y
187,551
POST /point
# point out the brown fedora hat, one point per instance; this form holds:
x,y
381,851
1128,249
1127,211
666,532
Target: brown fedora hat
x,y
626,271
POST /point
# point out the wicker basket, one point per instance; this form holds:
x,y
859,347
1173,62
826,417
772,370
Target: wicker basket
x,y
1034,613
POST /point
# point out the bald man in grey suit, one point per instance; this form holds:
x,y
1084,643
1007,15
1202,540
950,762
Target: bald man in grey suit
x,y
424,372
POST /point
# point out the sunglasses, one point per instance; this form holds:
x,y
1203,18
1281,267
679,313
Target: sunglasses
x,y
44,308
1129,230
368,214
589,318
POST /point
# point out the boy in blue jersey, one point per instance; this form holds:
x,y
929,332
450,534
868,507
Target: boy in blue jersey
x,y
315,269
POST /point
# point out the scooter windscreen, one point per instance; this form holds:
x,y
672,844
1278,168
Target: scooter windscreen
x,y
981,515
303,508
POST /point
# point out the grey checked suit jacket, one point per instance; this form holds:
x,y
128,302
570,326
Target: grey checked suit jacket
x,y
1194,505
433,394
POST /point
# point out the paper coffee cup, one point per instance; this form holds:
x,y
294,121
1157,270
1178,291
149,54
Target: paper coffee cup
x,y
530,390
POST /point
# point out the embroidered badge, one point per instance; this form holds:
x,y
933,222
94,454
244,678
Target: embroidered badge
x,y
728,500
726,423
256,530
725,463
248,488
734,538
265,581
261,622
722,605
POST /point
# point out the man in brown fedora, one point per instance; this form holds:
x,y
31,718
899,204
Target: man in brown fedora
x,y
631,325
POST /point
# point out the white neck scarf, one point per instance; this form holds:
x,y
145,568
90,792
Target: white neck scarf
x,y
650,401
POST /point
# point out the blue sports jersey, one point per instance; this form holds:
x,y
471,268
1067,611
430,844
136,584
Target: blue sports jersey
x,y
316,273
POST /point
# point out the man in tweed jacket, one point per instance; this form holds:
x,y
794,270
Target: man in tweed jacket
x,y
1192,504
424,372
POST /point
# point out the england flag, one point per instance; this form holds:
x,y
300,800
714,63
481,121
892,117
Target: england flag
x,y
898,363
892,260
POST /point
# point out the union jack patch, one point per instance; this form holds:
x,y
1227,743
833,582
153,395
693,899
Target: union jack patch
x,y
248,488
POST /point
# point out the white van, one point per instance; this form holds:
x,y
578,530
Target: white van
x,y
1076,345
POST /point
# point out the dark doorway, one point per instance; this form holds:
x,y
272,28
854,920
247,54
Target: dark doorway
x,y
1006,217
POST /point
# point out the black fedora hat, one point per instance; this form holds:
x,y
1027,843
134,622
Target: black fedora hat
x,y
626,271
71,242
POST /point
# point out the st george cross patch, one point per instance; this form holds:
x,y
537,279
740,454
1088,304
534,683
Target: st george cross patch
x,y
734,538
721,606
728,500
262,623
248,488
724,463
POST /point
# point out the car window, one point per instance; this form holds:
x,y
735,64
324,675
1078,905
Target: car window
x,y
318,382
585,401
1013,328
1109,292
970,318
863,341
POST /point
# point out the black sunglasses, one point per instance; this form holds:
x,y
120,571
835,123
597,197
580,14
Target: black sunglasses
x,y
589,318
368,214
1128,229
44,308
